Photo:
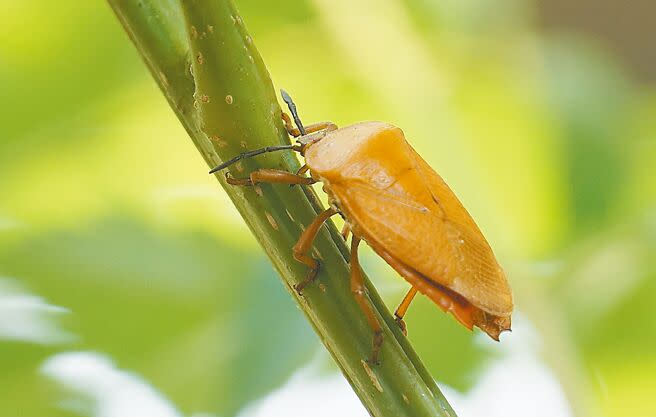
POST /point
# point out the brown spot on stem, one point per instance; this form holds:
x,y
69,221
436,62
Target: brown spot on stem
x,y
219,142
205,98
372,375
271,220
258,190
200,59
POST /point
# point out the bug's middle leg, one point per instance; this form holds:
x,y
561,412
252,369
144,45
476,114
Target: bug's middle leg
x,y
270,176
305,243
346,229
359,291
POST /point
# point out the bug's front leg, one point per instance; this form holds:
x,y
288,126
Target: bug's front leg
x,y
315,127
359,291
270,176
302,247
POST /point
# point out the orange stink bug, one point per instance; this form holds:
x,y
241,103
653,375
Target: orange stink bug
x,y
391,198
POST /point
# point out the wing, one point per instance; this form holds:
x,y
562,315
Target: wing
x,y
416,218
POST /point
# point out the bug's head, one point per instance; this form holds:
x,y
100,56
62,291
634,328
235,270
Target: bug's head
x,y
313,134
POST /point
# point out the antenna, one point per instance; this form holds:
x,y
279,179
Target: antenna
x,y
250,154
292,108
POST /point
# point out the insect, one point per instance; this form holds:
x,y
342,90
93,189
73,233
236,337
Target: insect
x,y
392,199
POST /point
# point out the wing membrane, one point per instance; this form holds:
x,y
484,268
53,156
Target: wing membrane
x,y
418,220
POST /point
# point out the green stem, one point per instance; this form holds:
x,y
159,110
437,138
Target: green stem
x,y
230,105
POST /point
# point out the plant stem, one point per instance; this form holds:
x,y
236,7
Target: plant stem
x,y
229,105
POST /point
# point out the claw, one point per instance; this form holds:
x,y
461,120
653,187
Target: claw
x,y
377,343
399,321
237,181
310,277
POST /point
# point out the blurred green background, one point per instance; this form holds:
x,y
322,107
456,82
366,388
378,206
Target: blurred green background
x,y
126,276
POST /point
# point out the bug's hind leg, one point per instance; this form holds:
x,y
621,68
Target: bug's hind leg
x,y
403,308
270,176
359,291
303,246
